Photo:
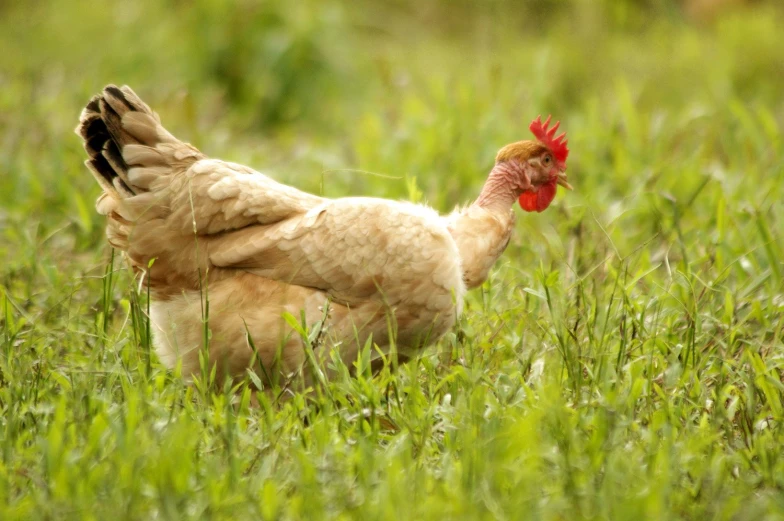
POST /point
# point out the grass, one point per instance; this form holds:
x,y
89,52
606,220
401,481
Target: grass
x,y
624,361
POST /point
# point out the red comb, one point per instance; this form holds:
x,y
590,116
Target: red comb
x,y
557,145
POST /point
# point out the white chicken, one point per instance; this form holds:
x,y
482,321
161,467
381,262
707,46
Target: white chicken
x,y
198,228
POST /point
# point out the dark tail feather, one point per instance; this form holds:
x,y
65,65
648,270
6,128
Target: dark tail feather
x,y
111,120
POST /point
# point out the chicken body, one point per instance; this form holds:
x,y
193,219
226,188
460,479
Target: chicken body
x,y
329,262
199,229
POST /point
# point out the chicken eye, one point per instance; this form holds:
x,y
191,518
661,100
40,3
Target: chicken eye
x,y
547,159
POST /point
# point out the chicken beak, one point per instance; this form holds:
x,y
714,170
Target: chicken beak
x,y
561,180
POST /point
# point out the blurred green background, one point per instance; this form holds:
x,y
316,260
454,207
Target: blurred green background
x,y
667,103
623,362
411,89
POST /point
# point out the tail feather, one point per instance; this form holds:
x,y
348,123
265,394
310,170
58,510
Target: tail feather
x,y
141,168
101,129
121,132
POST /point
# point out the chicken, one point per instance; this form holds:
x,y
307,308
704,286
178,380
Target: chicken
x,y
261,254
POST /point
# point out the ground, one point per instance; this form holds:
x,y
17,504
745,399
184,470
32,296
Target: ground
x,y
624,361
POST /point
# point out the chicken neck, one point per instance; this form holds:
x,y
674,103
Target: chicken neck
x,y
482,230
503,186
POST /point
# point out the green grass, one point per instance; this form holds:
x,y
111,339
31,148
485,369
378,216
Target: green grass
x,y
624,361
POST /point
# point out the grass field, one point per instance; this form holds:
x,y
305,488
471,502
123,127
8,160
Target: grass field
x,y
624,361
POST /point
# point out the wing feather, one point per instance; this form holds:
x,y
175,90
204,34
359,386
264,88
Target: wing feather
x,y
352,248
218,196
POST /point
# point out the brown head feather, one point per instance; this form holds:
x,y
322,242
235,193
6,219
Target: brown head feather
x,y
522,151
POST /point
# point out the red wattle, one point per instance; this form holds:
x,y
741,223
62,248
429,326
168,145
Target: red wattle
x,y
527,201
538,201
546,195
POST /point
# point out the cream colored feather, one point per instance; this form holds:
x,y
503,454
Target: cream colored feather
x,y
375,268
